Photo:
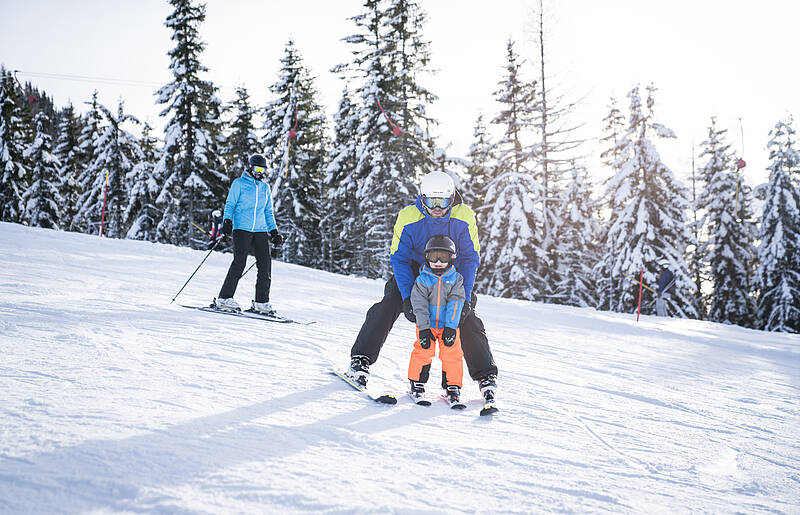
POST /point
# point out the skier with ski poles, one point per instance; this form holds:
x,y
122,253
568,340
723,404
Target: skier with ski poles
x,y
248,217
437,298
435,211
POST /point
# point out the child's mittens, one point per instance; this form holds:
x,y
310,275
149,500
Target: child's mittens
x,y
425,338
449,336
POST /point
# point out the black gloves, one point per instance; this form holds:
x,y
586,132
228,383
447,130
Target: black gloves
x,y
465,312
227,227
275,238
449,336
408,310
425,338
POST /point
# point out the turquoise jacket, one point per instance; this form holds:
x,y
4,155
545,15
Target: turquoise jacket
x,y
249,205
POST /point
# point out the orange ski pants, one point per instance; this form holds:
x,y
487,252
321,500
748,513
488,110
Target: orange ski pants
x,y
452,359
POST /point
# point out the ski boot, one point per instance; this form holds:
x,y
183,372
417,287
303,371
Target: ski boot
x,y
228,304
417,393
359,370
263,308
488,388
453,395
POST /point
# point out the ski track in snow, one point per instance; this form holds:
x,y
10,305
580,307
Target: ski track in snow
x,y
115,400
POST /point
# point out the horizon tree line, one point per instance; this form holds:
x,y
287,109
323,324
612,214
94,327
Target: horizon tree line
x,y
548,232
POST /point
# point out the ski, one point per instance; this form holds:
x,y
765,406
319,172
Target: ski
x,y
419,400
381,399
489,409
248,313
458,405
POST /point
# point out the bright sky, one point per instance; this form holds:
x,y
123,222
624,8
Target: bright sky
x,y
727,58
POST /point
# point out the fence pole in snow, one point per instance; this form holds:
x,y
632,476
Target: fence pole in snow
x,y
103,216
641,282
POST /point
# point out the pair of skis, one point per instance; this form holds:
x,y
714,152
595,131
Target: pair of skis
x,y
488,409
420,400
247,313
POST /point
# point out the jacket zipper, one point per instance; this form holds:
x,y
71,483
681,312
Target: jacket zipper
x,y
438,301
255,208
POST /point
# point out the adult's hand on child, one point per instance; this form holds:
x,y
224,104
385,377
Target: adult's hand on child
x,y
408,310
465,312
425,337
449,336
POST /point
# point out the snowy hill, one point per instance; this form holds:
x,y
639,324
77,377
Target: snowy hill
x,y
113,400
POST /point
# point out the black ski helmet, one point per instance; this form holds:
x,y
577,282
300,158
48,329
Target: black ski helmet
x,y
257,160
441,242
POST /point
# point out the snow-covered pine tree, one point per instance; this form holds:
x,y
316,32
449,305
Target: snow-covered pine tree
x,y
69,155
390,55
297,164
574,239
513,255
91,127
42,198
779,253
342,229
558,145
242,140
693,258
407,54
728,253
115,152
648,229
13,138
481,169
190,166
615,139
36,102
141,215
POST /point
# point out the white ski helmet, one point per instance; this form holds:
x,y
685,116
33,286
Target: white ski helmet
x,y
437,184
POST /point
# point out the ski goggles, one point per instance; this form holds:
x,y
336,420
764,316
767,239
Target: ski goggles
x,y
441,256
434,202
259,170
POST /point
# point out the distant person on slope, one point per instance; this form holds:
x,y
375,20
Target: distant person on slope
x,y
435,211
437,298
248,216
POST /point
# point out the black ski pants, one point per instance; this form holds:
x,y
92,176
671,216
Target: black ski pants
x,y
243,241
382,316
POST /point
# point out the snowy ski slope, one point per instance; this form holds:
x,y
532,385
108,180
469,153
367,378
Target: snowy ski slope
x,y
114,401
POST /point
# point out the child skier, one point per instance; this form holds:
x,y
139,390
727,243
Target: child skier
x,y
248,216
437,299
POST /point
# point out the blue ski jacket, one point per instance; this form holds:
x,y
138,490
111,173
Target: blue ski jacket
x,y
249,205
414,227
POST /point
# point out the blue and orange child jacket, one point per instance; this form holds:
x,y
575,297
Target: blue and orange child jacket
x,y
438,299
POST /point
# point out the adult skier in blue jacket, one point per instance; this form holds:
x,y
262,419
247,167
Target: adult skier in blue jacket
x,y
435,211
248,216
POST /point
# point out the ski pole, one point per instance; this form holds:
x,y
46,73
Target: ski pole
x,y
195,270
634,279
248,269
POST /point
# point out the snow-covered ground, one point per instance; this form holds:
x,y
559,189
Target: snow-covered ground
x,y
112,400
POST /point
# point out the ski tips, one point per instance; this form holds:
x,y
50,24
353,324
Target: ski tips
x,y
488,410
